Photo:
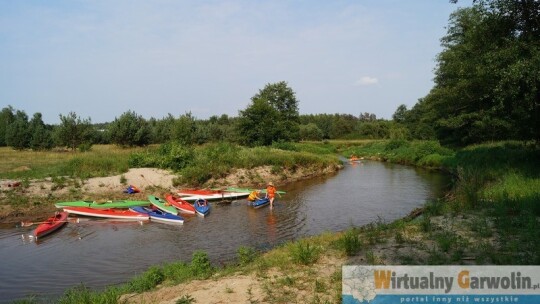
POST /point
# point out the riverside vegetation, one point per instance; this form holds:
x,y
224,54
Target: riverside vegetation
x,y
489,217
193,166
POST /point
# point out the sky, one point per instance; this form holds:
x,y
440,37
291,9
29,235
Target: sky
x,y
101,58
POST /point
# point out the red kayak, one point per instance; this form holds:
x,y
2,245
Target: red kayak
x,y
107,213
180,204
52,224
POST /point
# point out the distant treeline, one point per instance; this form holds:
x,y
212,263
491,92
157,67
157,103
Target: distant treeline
x,y
131,129
272,116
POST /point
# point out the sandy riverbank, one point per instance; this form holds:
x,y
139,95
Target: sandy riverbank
x,y
35,199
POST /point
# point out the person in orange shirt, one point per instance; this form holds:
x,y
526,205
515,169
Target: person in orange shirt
x,y
271,193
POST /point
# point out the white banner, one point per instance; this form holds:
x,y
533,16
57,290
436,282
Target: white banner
x,y
441,284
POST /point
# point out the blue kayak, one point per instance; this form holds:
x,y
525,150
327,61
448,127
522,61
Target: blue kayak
x,y
260,203
202,207
158,215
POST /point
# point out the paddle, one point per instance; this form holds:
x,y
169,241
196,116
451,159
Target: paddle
x,y
28,224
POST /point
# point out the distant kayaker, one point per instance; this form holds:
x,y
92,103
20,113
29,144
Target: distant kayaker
x,y
254,195
271,193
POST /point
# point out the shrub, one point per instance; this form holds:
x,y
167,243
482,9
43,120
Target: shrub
x,y
246,255
146,281
350,242
395,144
304,253
200,264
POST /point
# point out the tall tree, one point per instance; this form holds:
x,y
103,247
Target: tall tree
x,y
256,123
400,113
487,84
130,130
40,134
74,131
282,98
185,128
6,118
18,132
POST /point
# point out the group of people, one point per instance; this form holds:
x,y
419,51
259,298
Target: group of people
x,y
270,194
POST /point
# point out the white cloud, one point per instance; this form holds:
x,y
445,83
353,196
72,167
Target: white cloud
x,y
366,81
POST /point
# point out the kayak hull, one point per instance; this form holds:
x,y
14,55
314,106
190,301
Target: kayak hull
x,y
260,203
103,205
162,205
158,215
247,190
107,213
180,204
223,196
52,224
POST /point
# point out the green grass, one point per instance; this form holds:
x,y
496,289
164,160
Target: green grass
x,y
102,160
427,154
350,242
305,253
172,273
198,164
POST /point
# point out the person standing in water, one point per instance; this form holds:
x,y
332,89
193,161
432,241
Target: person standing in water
x,y
271,193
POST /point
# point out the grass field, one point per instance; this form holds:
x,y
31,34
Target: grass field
x,y
102,160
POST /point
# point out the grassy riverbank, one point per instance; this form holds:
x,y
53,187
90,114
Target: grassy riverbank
x,y
47,177
490,217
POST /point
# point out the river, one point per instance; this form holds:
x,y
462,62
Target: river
x,y
106,252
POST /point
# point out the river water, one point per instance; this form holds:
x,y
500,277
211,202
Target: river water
x,y
107,252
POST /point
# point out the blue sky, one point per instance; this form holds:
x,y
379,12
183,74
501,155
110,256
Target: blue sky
x,y
101,58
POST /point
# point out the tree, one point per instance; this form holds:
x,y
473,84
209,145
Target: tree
x,y
130,130
256,123
310,131
18,132
487,83
185,128
41,137
6,118
282,98
74,131
399,114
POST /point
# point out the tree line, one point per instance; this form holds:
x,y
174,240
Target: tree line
x,y
271,116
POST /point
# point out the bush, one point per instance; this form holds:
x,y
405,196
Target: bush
x,y
432,161
304,253
246,255
146,281
177,272
350,242
395,144
200,264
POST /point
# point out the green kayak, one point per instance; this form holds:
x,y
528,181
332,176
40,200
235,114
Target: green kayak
x,y
162,205
102,205
247,190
